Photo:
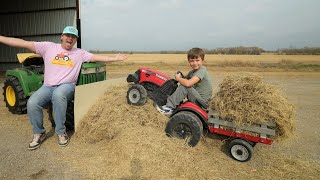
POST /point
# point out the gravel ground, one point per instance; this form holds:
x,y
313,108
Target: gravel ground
x,y
17,162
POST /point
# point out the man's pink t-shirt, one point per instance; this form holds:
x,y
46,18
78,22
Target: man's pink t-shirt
x,y
61,66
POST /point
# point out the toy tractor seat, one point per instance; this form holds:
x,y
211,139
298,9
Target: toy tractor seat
x,y
36,61
34,64
204,105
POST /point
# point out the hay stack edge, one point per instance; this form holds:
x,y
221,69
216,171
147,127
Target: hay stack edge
x,y
246,99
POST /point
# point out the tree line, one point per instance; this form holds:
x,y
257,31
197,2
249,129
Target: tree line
x,y
237,50
301,51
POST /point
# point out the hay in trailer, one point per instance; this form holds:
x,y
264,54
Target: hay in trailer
x,y
246,99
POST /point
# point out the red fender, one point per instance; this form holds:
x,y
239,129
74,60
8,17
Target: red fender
x,y
189,106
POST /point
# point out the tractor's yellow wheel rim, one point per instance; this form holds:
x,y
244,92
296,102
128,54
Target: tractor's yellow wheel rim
x,y
11,96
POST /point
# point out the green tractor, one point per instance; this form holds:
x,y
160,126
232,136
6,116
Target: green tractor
x,y
21,82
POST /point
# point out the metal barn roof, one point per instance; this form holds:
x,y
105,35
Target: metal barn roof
x,y
35,20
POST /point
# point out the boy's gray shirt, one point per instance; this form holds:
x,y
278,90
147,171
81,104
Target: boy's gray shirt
x,y
204,86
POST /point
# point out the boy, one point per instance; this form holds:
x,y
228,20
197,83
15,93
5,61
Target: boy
x,y
196,86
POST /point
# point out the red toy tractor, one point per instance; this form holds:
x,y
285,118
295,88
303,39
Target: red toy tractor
x,y
188,120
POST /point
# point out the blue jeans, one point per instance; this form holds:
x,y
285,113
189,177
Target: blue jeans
x,y
59,96
185,92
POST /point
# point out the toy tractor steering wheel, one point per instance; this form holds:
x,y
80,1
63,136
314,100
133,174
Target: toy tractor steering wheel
x,y
179,72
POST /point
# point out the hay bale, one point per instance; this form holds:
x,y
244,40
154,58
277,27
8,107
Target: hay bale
x,y
246,99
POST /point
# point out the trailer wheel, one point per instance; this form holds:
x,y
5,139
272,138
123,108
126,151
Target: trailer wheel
x,y
240,150
69,116
14,96
137,95
185,125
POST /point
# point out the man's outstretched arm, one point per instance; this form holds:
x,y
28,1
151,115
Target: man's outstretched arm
x,y
18,43
100,58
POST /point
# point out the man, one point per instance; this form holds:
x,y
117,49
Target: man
x,y
60,77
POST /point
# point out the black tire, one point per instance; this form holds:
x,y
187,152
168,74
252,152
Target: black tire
x,y
185,125
14,96
240,150
137,95
69,117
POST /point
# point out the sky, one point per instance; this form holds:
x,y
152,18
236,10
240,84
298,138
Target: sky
x,y
155,25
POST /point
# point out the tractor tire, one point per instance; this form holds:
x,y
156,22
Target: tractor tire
x,y
137,95
14,96
240,150
185,125
69,117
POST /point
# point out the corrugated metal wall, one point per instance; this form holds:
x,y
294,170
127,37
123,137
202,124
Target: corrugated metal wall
x,y
35,20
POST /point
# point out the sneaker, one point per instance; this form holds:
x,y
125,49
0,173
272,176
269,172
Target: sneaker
x,y
63,140
166,110
37,140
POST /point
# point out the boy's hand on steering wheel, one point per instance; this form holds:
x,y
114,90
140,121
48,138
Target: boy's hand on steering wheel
x,y
179,74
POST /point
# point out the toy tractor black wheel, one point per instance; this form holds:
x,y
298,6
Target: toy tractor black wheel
x,y
137,95
185,125
14,96
69,116
240,150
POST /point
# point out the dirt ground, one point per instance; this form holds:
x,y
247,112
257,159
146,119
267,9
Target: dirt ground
x,y
47,162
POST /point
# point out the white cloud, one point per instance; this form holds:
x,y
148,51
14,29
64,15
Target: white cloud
x,y
100,4
170,4
260,6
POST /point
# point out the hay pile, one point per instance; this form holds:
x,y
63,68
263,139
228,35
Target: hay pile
x,y
129,142
246,99
111,115
118,141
